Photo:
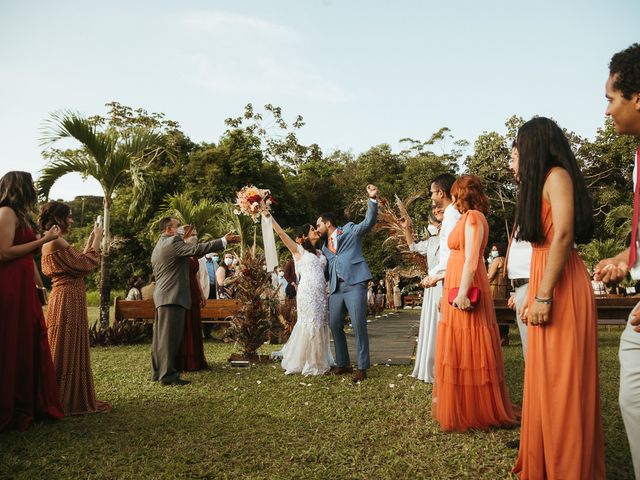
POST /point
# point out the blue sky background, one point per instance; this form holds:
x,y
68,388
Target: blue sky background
x,y
360,72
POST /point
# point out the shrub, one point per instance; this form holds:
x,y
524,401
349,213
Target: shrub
x,y
121,333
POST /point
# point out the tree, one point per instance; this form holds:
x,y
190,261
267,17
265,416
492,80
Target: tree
x,y
112,157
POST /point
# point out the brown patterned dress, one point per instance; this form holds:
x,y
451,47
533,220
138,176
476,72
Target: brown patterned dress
x,y
67,324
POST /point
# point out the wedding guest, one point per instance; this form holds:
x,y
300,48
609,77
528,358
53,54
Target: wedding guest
x,y
397,293
67,317
291,277
371,297
28,386
429,313
211,264
623,97
135,286
498,284
561,435
518,267
469,390
191,352
172,296
225,277
146,292
283,284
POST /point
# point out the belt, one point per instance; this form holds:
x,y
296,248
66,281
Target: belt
x,y
519,282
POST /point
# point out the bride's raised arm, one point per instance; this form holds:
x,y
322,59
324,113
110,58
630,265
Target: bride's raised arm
x,y
286,239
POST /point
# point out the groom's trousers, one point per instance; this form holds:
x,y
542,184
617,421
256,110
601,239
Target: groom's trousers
x,y
630,390
352,298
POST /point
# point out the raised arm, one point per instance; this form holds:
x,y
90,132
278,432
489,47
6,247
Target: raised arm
x,y
286,239
9,251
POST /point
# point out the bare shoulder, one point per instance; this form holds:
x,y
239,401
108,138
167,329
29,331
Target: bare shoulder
x,y
7,214
558,182
54,245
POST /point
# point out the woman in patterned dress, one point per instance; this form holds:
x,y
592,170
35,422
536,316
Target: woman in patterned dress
x,y
27,379
67,319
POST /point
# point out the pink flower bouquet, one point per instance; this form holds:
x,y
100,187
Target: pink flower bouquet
x,y
253,201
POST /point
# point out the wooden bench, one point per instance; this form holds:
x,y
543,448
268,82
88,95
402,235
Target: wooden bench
x,y
412,300
611,310
216,311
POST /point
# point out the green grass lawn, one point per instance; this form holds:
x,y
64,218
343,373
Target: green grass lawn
x,y
257,423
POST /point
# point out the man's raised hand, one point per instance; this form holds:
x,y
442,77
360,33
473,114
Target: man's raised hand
x,y
232,237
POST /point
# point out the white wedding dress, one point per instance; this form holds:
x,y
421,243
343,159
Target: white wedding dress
x,y
308,351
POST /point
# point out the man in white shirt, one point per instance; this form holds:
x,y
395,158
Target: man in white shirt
x,y
441,197
623,97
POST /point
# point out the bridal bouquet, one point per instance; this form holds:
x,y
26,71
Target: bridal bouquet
x,y
253,201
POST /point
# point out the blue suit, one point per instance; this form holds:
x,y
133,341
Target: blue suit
x,y
348,277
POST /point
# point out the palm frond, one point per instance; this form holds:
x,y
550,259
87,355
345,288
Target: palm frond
x,y
69,124
62,163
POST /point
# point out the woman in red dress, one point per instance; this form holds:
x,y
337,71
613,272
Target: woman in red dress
x,y
191,355
28,386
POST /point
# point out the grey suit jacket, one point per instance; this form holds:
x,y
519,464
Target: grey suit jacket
x,y
170,262
348,262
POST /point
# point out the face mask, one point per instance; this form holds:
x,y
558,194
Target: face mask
x,y
180,230
215,259
192,240
228,261
281,274
432,229
494,253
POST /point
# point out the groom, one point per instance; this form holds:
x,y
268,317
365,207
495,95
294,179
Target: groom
x,y
348,277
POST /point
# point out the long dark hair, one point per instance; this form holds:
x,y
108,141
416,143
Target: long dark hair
x,y
18,193
54,213
302,238
542,145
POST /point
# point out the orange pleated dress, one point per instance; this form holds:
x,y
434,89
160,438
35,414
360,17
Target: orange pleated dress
x,y
68,328
469,390
561,435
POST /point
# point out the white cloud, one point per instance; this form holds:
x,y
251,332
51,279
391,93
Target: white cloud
x,y
250,56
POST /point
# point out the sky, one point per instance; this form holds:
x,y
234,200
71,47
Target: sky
x,y
360,72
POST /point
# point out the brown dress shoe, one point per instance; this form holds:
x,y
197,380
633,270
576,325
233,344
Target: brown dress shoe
x,y
340,370
360,376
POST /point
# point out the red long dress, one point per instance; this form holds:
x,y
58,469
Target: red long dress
x,y
191,355
28,386
561,434
469,391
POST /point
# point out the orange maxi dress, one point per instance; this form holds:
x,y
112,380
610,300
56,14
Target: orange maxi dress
x,y
469,390
561,433
68,328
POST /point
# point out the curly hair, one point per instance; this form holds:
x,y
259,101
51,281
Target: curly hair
x,y
469,193
54,213
18,193
625,66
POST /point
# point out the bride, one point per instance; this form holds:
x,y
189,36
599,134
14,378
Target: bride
x,y
307,351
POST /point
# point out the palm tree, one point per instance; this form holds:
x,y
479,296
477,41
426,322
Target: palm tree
x,y
212,220
113,158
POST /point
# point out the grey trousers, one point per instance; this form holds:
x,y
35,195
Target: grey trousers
x,y
629,397
167,335
521,296
353,298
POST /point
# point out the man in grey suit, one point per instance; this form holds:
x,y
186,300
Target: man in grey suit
x,y
348,278
172,296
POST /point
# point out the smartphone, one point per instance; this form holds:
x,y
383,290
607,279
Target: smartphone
x,y
99,221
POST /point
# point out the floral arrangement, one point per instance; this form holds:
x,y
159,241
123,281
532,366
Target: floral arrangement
x,y
252,201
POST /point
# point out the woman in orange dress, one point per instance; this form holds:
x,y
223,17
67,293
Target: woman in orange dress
x,y
469,390
190,357
561,433
67,319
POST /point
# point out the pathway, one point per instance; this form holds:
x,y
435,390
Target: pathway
x,y
392,337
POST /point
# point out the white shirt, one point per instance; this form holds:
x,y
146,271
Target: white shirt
x,y
635,269
449,220
519,260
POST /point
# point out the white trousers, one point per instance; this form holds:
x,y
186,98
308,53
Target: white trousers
x,y
521,296
629,397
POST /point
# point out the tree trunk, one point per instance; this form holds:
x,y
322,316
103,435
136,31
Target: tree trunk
x,y
105,284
